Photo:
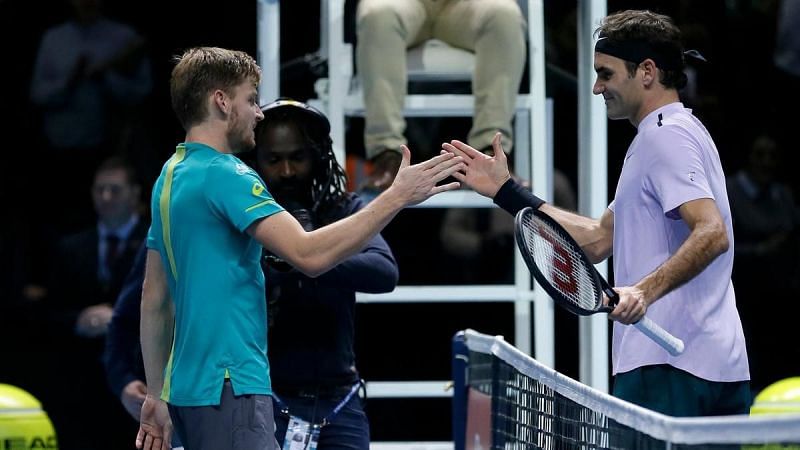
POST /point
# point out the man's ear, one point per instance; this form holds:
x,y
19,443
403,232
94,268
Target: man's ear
x,y
222,101
649,72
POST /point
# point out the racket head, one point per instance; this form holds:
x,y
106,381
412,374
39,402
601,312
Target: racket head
x,y
558,263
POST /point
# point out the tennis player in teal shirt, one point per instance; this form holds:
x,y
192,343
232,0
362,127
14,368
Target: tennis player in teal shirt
x,y
220,330
204,318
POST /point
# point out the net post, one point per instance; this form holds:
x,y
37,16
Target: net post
x,y
459,373
496,390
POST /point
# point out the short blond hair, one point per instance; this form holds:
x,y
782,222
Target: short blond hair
x,y
201,70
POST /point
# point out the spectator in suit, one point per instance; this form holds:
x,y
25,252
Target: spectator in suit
x,y
88,270
91,265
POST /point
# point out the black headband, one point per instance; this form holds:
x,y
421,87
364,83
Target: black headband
x,y
637,51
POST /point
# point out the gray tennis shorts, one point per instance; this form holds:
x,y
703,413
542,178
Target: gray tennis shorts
x,y
242,422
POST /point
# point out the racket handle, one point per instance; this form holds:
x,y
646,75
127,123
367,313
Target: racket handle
x,y
652,330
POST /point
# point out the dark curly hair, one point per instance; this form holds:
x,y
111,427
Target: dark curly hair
x,y
328,178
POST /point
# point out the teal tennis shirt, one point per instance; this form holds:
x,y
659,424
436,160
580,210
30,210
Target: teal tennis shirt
x,y
202,203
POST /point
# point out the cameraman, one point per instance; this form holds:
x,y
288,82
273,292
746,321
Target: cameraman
x,y
311,320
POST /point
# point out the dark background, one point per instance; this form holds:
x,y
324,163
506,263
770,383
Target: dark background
x,y
738,98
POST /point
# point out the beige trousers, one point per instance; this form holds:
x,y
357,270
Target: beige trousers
x,y
493,29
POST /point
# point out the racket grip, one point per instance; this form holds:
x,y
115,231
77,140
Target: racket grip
x,y
651,329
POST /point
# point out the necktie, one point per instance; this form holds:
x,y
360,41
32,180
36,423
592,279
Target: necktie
x,y
112,244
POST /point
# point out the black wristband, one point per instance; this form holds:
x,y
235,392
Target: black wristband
x,y
513,197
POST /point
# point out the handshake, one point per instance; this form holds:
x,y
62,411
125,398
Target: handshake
x,y
274,261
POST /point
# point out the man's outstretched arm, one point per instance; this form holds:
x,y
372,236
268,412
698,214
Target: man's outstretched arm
x,y
490,177
317,251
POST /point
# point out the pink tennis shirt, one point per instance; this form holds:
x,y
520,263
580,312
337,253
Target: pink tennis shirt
x,y
673,160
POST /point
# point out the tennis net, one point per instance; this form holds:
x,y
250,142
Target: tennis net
x,y
506,400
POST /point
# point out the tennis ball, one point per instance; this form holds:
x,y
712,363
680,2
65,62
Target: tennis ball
x,y
780,397
23,423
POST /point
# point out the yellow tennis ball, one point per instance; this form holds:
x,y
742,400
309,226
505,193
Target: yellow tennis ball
x,y
780,397
23,423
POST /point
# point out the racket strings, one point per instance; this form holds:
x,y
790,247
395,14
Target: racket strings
x,y
566,270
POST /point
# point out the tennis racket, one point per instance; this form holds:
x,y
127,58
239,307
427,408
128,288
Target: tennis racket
x,y
566,274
